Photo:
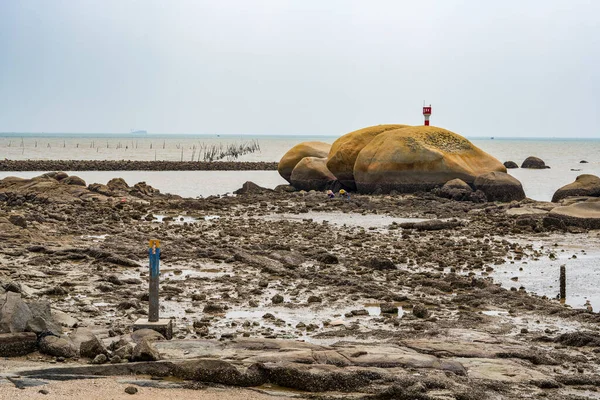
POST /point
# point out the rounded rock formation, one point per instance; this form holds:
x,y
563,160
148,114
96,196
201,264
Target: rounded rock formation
x,y
584,214
306,149
311,173
345,149
584,185
456,189
419,158
499,186
534,163
511,164
74,180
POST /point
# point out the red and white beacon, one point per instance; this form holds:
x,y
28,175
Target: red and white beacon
x,y
427,114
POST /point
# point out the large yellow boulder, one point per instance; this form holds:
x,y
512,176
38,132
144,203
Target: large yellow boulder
x,y
344,151
311,173
298,152
419,158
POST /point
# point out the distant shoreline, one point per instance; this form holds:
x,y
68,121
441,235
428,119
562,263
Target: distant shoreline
x,y
120,165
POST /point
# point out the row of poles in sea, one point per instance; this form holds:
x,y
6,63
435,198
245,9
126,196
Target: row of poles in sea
x,y
200,152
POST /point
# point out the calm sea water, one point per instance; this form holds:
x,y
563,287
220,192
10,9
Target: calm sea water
x,y
563,156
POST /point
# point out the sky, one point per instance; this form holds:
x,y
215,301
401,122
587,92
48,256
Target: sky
x,y
515,68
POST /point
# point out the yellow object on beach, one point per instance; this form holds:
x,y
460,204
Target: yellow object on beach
x,y
342,191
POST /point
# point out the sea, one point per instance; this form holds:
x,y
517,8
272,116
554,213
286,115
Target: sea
x,y
563,156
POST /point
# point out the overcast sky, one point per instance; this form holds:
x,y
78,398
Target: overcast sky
x,y
314,67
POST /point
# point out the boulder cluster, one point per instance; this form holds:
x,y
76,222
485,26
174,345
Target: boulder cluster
x,y
400,159
26,327
59,187
530,162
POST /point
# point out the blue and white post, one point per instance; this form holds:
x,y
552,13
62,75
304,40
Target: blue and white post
x,y
154,255
164,326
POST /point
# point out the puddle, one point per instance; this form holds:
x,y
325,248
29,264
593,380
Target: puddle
x,y
95,237
183,274
180,219
339,218
541,276
374,309
176,219
495,313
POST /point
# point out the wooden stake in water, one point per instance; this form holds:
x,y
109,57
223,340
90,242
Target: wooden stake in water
x,y
154,255
563,283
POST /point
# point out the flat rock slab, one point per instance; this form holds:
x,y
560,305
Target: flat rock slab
x,y
499,370
461,349
526,211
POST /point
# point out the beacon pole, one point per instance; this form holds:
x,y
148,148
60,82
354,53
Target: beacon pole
x,y
154,255
163,326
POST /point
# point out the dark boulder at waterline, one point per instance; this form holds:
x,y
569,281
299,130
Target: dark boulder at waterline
x,y
534,163
584,185
455,189
511,164
251,188
499,186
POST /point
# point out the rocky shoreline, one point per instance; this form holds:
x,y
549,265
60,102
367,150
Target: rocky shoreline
x,y
373,297
123,165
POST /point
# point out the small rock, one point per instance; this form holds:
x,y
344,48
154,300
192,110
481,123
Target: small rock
x,y
388,308
115,360
18,220
213,308
327,258
131,390
277,299
99,359
420,311
314,299
43,391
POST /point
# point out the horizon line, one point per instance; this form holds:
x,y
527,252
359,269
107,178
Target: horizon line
x,y
141,135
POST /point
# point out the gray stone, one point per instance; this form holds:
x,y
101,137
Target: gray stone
x,y
145,351
125,352
131,390
58,346
100,359
146,334
14,313
88,343
39,325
